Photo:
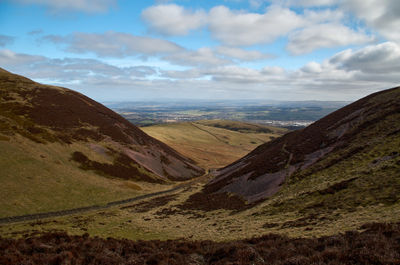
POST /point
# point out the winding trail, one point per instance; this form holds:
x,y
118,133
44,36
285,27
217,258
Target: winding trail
x,y
38,216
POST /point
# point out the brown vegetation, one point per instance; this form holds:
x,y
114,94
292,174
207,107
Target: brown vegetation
x,y
214,201
377,244
146,206
123,167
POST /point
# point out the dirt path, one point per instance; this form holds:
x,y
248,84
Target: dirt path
x,y
38,216
216,137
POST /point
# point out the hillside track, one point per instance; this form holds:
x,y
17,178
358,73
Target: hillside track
x,y
216,137
39,216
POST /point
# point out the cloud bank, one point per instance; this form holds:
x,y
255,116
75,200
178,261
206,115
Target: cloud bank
x,y
349,71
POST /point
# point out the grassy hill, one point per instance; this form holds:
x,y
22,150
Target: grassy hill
x,y
39,178
61,150
213,143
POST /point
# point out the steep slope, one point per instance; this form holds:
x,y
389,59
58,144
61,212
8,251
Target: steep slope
x,y
213,144
46,129
359,127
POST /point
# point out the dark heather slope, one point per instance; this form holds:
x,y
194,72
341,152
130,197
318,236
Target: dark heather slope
x,y
341,134
377,244
48,114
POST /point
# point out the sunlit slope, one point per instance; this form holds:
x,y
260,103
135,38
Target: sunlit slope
x,y
216,143
60,149
40,178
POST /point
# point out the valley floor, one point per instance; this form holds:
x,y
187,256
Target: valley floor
x,y
169,216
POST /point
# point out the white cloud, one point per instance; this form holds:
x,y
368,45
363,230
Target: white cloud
x,y
306,3
235,74
378,59
241,54
172,19
200,57
273,70
231,74
347,75
185,74
295,3
381,15
205,57
323,16
326,35
366,69
114,44
256,3
9,58
243,29
354,73
312,68
90,6
68,69
313,29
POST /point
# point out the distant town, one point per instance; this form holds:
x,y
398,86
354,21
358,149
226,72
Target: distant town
x,y
292,115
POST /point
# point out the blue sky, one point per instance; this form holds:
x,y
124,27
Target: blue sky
x,y
126,50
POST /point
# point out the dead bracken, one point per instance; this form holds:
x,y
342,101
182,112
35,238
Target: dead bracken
x,y
378,244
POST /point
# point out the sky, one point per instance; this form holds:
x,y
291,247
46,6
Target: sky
x,y
129,50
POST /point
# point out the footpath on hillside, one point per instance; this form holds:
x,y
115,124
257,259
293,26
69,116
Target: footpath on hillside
x,y
38,216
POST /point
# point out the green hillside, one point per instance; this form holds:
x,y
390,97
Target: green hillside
x,y
40,178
